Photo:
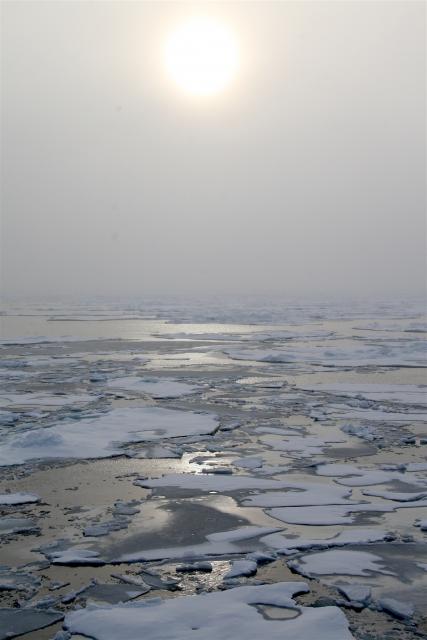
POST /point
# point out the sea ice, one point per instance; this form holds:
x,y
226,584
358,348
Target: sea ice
x,y
44,399
17,525
241,568
75,557
352,476
113,593
105,528
18,580
224,614
16,622
248,463
210,482
103,435
219,543
338,562
304,446
395,393
301,494
18,498
325,514
356,592
344,412
397,608
286,546
158,388
395,495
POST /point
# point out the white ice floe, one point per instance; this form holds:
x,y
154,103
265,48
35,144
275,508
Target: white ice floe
x,y
355,592
353,476
286,546
395,393
158,388
105,528
301,494
338,562
301,446
44,399
337,514
277,430
223,614
18,498
157,451
126,508
103,435
394,353
392,326
396,608
18,580
217,544
395,495
113,593
416,466
248,463
75,557
7,418
344,412
324,515
241,568
242,533
17,525
210,482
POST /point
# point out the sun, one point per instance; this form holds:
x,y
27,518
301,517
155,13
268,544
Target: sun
x,y
201,56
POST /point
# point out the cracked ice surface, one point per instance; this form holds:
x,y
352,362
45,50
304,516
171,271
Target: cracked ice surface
x,y
304,449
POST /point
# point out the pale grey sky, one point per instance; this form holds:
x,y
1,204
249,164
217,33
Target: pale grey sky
x,y
307,175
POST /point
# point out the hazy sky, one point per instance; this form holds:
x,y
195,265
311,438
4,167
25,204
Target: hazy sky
x,y
307,175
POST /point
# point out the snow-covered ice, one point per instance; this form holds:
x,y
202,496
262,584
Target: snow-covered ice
x,y
44,399
228,615
18,498
104,435
338,562
154,387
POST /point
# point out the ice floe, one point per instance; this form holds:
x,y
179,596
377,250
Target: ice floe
x,y
241,568
396,393
338,562
103,435
210,482
155,387
232,542
397,608
10,525
355,592
44,399
301,494
16,622
75,556
285,546
229,614
19,580
18,498
392,354
325,514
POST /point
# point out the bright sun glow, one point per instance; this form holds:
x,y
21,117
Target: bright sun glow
x,y
201,56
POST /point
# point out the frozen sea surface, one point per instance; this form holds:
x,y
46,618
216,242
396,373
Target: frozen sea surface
x,y
196,457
